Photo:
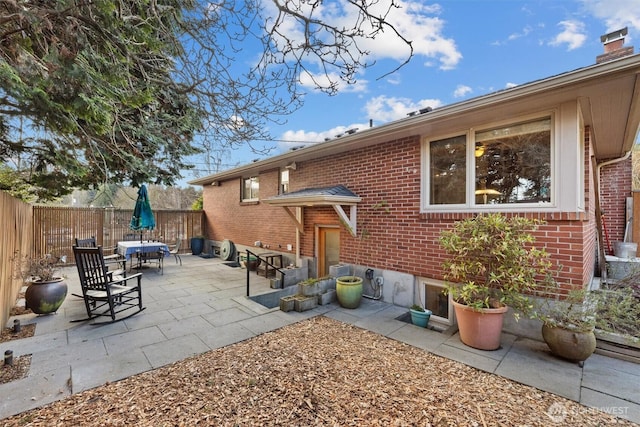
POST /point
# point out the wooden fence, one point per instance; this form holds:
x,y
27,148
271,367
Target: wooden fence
x,y
55,228
40,230
15,241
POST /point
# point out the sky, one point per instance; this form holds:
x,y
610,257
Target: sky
x,y
462,49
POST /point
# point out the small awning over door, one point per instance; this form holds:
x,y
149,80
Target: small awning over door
x,y
337,197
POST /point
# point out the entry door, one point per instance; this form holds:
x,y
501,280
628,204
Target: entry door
x,y
328,249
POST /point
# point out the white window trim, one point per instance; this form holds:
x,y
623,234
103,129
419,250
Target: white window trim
x,y
567,183
422,283
255,199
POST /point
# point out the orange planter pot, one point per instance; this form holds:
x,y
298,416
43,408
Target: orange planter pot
x,y
480,329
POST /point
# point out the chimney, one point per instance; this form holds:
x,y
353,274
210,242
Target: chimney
x,y
613,46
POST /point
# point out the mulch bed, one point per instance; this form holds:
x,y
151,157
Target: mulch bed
x,y
21,364
315,372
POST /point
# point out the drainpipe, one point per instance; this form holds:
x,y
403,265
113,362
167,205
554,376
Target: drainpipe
x,y
610,162
597,168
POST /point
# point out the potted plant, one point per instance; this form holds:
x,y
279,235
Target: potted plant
x,y
197,245
419,316
46,289
493,265
568,325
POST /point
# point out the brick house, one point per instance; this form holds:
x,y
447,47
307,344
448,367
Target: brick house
x,y
544,149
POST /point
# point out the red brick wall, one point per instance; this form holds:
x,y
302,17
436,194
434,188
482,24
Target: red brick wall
x,y
615,187
401,239
244,223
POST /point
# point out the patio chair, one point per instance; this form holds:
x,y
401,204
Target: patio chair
x,y
110,258
152,257
175,251
106,294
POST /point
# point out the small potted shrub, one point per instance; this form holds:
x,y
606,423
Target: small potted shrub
x,y
568,325
419,316
493,264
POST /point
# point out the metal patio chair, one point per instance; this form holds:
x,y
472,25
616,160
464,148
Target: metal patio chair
x,y
151,257
106,294
175,251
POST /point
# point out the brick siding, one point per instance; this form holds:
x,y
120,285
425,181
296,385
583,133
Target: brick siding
x,y
403,239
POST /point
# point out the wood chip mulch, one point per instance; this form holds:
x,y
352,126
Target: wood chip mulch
x,y
7,334
20,367
316,372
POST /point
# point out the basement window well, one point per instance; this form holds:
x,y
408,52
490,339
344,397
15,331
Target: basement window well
x,y
436,300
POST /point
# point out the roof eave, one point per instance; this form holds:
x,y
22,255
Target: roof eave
x,y
312,201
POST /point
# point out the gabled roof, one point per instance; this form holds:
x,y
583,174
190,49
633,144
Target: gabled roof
x,y
325,196
608,95
335,197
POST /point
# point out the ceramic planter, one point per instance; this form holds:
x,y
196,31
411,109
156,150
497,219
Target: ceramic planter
x,y
46,297
197,244
482,328
349,291
569,344
420,318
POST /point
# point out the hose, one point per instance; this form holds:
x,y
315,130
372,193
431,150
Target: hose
x,y
376,284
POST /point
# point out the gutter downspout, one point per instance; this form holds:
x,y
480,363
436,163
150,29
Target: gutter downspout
x,y
602,261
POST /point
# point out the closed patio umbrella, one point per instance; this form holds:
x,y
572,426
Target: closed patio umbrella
x,y
142,218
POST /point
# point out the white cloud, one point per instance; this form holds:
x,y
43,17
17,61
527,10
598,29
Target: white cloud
x,y
297,138
419,23
617,14
461,91
382,109
572,34
510,85
416,21
525,32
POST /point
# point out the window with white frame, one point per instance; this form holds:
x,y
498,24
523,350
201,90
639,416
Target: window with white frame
x,y
436,300
505,165
250,187
284,181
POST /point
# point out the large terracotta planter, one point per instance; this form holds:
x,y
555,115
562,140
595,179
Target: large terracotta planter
x,y
46,297
482,328
569,344
349,291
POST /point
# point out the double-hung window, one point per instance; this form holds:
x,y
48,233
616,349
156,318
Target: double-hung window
x,y
250,188
508,165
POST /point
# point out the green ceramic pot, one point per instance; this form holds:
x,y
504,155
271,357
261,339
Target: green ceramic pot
x,y
349,291
46,297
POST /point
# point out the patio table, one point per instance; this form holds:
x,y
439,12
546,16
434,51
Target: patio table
x,y
128,248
